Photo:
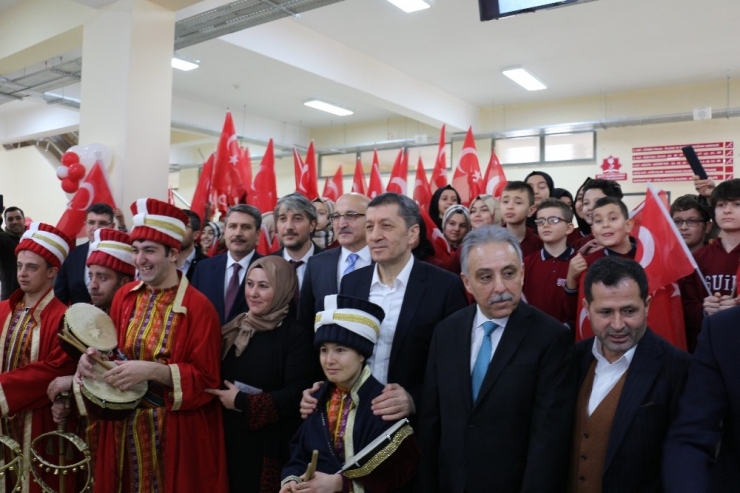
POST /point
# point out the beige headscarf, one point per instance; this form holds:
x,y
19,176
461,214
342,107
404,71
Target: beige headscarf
x,y
283,279
494,206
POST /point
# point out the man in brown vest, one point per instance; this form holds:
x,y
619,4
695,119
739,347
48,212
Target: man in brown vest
x,y
630,382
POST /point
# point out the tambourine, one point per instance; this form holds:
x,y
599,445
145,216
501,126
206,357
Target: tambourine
x,y
41,466
14,465
104,401
88,326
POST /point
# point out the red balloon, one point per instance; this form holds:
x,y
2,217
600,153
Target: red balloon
x,y
70,186
70,158
76,172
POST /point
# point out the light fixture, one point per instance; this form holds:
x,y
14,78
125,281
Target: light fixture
x,y
524,78
329,108
182,63
409,6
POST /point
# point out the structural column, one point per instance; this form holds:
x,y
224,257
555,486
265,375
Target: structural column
x,y
127,95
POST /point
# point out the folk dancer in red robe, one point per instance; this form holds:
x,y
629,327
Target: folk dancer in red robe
x,y
30,356
171,337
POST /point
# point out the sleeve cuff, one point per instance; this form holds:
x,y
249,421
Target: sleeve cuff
x,y
570,292
4,408
176,387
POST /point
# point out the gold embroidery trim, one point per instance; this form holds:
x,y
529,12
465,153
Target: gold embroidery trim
x,y
164,225
348,317
177,306
4,408
115,246
176,387
51,242
381,456
289,479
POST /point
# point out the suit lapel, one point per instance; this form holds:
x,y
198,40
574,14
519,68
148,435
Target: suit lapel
x,y
585,363
332,269
462,353
219,274
642,372
411,300
516,329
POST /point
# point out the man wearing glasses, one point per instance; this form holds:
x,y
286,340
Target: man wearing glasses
x,y
72,281
325,271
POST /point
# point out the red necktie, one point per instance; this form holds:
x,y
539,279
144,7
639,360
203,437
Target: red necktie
x,y
232,291
296,264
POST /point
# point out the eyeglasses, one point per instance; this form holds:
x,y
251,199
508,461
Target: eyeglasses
x,y
692,223
552,220
349,217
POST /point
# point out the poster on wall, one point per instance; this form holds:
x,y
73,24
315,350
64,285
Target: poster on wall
x,y
611,170
666,163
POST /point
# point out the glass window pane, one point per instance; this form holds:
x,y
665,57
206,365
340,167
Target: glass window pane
x,y
330,163
519,150
569,147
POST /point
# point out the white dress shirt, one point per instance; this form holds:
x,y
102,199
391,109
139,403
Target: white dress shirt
x,y
390,299
363,260
476,340
242,272
301,270
606,374
186,265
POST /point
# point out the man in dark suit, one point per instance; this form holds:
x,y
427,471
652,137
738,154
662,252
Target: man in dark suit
x,y
295,222
499,385
221,278
709,414
15,226
326,270
630,383
190,255
72,282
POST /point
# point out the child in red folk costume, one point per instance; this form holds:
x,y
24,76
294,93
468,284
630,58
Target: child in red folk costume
x,y
611,227
517,203
546,271
718,262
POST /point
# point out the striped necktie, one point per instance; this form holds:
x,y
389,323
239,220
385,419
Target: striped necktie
x,y
352,260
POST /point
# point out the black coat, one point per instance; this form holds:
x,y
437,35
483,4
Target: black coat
x,y
69,285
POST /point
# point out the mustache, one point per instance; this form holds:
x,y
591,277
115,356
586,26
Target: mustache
x,y
500,297
345,230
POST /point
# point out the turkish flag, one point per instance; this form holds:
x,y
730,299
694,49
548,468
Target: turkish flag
x,y
399,174
93,189
660,249
358,183
636,213
495,179
434,235
376,184
333,187
202,194
225,174
422,191
467,177
305,173
439,173
244,170
264,185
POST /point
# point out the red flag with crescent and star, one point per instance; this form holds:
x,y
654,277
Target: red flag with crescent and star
x,y
263,193
333,187
399,174
376,183
305,173
226,177
358,183
439,173
93,189
495,179
467,178
422,192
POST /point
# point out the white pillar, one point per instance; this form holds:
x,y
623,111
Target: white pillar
x,y
127,95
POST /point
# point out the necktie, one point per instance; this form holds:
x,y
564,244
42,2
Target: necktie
x,y
352,259
296,264
484,358
232,291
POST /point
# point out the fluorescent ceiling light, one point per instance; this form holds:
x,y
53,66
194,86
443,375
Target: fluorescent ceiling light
x,y
181,63
524,78
329,108
409,6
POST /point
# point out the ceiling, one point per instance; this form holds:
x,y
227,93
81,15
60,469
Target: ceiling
x,y
600,47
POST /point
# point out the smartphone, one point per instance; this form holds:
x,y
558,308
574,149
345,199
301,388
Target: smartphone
x,y
694,162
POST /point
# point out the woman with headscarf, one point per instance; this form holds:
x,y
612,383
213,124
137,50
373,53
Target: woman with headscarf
x,y
323,235
455,225
212,232
584,229
267,362
442,199
485,210
564,195
542,186
344,428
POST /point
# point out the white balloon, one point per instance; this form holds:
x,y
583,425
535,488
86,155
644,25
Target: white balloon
x,y
62,172
92,153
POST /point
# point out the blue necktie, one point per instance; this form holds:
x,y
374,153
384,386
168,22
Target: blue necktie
x,y
352,259
483,359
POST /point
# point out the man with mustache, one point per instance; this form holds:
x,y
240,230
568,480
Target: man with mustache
x,y
221,278
325,271
499,385
630,382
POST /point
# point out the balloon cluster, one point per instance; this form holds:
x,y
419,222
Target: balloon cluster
x,y
77,163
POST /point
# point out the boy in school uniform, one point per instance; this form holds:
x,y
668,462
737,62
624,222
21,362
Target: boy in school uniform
x,y
611,226
592,192
718,262
547,270
517,203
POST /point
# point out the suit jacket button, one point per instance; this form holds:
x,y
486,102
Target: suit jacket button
x,y
585,435
583,457
581,479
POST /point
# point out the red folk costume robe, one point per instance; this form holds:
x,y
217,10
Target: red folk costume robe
x,y
178,327
30,358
